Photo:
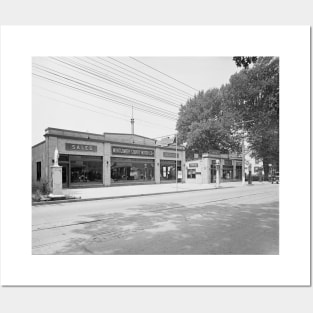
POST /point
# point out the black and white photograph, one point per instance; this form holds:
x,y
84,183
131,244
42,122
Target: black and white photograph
x,y
164,155
131,158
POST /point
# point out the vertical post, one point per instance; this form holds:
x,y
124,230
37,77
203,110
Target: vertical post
x,y
217,173
132,122
243,160
176,164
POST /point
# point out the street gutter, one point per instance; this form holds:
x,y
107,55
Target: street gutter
x,y
125,196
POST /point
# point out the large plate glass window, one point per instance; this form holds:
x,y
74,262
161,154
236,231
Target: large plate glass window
x,y
168,169
86,169
131,170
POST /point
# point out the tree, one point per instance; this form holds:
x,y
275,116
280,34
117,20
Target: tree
x,y
244,61
204,125
254,95
214,119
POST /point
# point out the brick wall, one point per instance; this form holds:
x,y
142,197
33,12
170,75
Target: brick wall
x,y
38,155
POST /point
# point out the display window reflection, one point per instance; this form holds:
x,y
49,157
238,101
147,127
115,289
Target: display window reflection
x,y
227,172
168,169
86,169
191,173
132,170
238,172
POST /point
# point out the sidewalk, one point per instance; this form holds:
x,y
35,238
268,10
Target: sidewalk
x,y
85,194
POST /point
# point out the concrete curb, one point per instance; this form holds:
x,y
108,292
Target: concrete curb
x,y
125,196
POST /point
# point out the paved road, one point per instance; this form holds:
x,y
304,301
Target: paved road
x,y
242,220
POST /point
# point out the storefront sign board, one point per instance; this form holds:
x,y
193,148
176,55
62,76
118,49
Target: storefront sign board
x,y
170,155
80,147
131,151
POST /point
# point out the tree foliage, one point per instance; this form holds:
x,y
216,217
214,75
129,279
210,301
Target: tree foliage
x,y
205,126
249,104
254,95
244,61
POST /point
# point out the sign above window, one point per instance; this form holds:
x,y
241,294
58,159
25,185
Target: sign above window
x,y
130,151
228,162
211,153
170,155
80,147
193,165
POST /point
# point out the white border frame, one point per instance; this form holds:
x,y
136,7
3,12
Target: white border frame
x,y
20,43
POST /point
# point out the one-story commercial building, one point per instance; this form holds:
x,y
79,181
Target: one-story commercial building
x,y
107,159
203,171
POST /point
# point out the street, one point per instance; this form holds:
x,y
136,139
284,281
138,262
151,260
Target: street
x,y
241,220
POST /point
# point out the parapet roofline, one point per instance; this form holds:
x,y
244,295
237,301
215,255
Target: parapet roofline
x,y
87,133
103,135
71,131
127,134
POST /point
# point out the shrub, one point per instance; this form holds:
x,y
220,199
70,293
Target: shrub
x,y
45,189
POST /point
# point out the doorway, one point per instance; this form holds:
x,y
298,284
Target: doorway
x,y
65,175
213,174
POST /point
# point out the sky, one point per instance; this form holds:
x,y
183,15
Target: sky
x,y
98,95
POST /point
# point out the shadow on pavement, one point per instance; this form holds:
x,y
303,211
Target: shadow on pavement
x,y
172,228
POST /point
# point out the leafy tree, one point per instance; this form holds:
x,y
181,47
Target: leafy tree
x,y
205,124
244,61
214,119
253,94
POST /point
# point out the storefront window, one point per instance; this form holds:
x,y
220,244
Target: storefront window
x,y
38,171
86,169
227,172
191,173
238,172
168,169
126,169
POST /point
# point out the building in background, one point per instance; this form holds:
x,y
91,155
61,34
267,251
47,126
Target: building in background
x,y
203,171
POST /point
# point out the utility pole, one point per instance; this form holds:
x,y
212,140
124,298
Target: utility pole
x,y
243,160
176,165
217,164
243,150
132,122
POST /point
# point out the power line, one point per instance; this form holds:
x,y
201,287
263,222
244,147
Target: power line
x,y
97,88
77,106
74,99
155,83
122,84
172,95
150,76
164,73
87,109
103,97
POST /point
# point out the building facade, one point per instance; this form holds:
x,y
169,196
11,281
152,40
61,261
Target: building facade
x,y
203,171
108,159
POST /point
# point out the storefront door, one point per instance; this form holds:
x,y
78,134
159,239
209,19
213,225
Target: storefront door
x,y
213,174
65,171
64,162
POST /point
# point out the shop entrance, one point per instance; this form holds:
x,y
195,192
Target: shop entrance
x,y
65,171
64,162
168,170
213,173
